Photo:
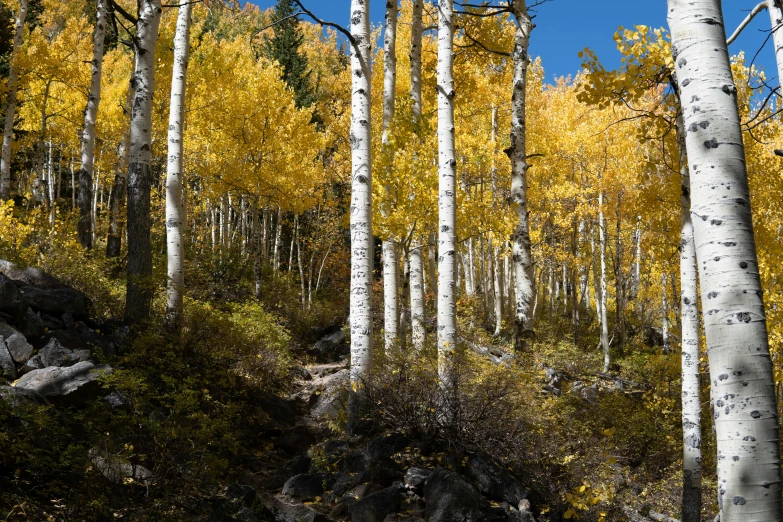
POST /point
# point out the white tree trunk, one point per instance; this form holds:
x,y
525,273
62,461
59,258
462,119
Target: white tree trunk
x,y
278,239
418,333
85,224
138,297
523,265
664,315
447,195
741,374
361,206
498,285
175,208
602,254
432,262
691,404
775,8
256,249
10,108
391,300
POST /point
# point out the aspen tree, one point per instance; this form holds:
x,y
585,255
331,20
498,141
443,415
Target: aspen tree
x,y
138,299
447,196
389,247
743,386
85,224
114,238
175,207
10,107
361,206
523,265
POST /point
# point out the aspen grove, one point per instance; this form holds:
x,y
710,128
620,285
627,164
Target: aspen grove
x,y
296,260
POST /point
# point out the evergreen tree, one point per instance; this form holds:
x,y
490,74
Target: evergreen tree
x,y
284,47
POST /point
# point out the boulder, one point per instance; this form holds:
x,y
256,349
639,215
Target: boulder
x,y
51,323
287,511
116,400
7,366
16,343
385,446
493,481
57,301
331,347
29,276
32,326
84,338
55,354
17,397
119,471
415,478
330,395
70,385
298,465
295,440
11,299
307,486
34,363
450,498
375,507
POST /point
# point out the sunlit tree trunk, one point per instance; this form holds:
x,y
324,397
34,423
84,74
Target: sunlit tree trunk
x,y
523,265
175,208
10,107
88,132
664,315
432,263
278,239
447,199
138,298
361,207
602,254
497,274
391,316
418,333
256,250
741,375
691,404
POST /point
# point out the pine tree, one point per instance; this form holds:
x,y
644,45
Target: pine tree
x,y
284,47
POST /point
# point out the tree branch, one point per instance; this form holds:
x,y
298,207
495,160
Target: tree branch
x,y
333,25
476,42
123,12
756,10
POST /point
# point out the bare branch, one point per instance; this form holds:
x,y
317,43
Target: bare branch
x,y
123,12
333,25
756,10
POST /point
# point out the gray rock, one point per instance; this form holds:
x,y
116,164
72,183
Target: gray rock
x,y
16,343
415,478
11,299
71,385
57,301
34,363
55,354
493,481
116,400
29,276
332,346
82,339
331,394
68,320
32,326
7,366
451,498
364,490
307,486
51,323
119,471
385,446
375,507
287,511
17,397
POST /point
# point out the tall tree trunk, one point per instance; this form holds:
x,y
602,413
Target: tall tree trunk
x,y
664,315
256,249
691,404
138,299
523,264
278,239
175,208
619,280
746,419
447,199
418,333
389,249
361,208
88,133
432,262
775,8
498,288
602,255
10,107
405,297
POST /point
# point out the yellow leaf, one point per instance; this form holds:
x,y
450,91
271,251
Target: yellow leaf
x,y
568,514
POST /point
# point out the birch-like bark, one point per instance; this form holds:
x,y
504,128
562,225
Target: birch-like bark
x,y
664,315
498,288
361,208
741,373
447,196
256,250
602,254
418,333
114,237
523,264
691,404
432,263
10,108
391,316
775,8
138,298
85,225
175,208
278,239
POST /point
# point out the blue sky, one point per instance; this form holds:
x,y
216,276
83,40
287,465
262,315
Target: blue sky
x,y
565,27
